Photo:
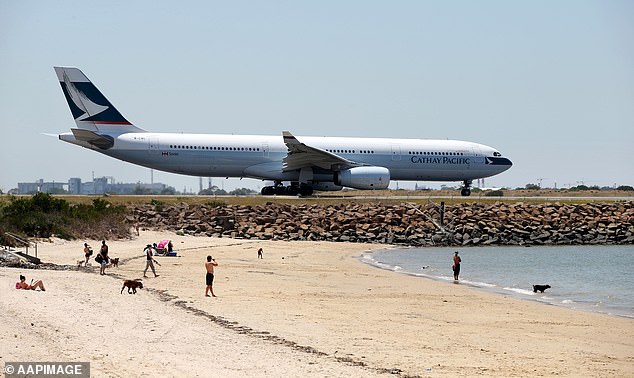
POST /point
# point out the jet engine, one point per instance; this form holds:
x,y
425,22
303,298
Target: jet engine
x,y
364,178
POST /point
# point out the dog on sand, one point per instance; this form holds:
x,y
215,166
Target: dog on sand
x,y
132,285
540,288
115,262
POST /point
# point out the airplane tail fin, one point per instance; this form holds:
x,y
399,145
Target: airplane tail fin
x,y
90,109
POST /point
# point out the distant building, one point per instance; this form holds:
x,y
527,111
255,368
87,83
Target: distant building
x,y
74,185
40,186
100,185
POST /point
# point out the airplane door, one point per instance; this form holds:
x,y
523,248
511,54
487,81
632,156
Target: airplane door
x,y
477,153
396,152
153,145
265,149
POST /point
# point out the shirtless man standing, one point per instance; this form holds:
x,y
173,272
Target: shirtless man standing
x,y
209,278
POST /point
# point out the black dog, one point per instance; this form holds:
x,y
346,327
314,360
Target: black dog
x,y
540,288
132,284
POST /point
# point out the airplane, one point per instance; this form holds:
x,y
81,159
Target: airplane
x,y
306,164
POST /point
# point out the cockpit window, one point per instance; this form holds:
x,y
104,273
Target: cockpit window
x,y
497,154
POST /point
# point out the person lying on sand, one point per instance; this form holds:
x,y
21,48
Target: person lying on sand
x,y
34,285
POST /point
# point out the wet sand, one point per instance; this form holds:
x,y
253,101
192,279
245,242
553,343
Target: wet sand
x,y
305,309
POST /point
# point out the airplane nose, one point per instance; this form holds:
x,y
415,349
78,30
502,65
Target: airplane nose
x,y
499,161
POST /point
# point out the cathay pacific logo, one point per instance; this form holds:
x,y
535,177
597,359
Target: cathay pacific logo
x,y
498,161
440,160
82,101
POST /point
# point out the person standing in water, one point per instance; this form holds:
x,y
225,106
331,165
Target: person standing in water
x,y
456,266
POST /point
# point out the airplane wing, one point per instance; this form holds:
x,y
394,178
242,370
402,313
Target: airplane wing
x,y
301,155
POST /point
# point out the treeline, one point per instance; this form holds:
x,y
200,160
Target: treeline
x,y
43,216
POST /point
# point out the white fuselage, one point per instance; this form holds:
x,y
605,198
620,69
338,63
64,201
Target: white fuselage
x,y
260,156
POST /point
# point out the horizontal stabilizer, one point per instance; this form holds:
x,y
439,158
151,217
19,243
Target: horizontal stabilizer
x,y
101,141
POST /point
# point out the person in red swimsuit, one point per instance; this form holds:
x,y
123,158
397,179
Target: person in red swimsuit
x,y
35,285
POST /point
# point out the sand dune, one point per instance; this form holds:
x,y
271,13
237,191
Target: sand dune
x,y
306,309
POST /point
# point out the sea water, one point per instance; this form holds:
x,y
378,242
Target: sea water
x,y
594,278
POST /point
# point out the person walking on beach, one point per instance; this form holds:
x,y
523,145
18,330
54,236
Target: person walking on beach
x,y
456,266
209,278
87,252
149,261
104,257
260,252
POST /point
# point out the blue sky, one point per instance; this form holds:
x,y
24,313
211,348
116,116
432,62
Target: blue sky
x,y
550,84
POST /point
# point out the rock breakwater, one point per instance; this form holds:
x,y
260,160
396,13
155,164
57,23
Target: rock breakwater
x,y
403,224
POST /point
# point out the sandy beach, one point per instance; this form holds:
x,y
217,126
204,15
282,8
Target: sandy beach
x,y
305,309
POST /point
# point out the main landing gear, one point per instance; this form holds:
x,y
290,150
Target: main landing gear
x,y
292,190
466,189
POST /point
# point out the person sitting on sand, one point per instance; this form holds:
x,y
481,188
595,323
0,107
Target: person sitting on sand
x,y
34,285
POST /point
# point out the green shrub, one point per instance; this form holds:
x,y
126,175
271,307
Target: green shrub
x,y
44,216
494,193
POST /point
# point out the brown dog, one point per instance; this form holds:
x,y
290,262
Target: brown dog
x,y
115,262
132,284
